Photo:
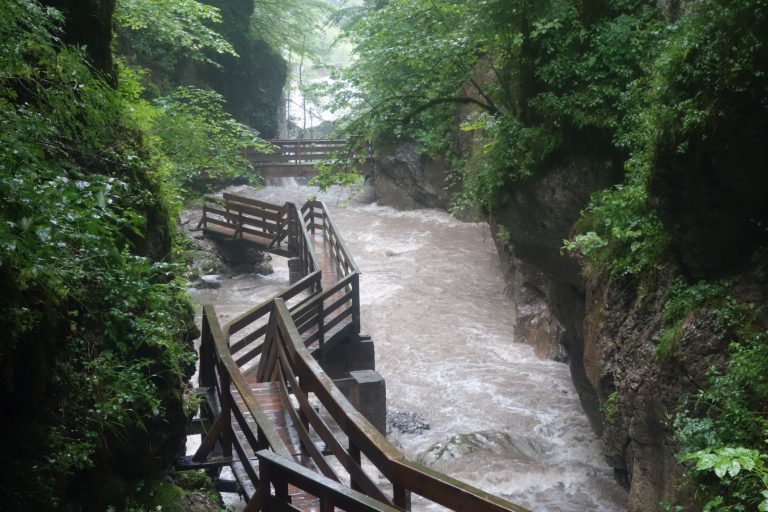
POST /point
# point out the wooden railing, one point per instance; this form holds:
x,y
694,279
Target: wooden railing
x,y
279,331
309,151
297,152
247,216
280,472
317,312
316,215
287,361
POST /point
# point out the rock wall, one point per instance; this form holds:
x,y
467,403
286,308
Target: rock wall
x,y
547,288
608,328
407,180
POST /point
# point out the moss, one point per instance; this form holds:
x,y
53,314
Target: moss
x,y
156,495
190,491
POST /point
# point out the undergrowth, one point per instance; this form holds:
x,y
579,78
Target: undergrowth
x,y
96,347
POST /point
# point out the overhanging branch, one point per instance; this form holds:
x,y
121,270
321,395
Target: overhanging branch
x,y
462,100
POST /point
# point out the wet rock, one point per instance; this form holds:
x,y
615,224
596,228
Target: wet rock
x,y
547,287
406,422
460,445
209,282
199,502
242,257
219,255
405,179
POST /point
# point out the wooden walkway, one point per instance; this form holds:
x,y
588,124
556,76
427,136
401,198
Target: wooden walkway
x,y
268,398
272,407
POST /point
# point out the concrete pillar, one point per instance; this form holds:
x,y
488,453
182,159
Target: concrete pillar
x,y
367,392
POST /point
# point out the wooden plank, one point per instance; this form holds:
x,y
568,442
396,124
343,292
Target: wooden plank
x,y
239,382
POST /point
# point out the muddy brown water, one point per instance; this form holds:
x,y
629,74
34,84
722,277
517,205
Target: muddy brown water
x,y
432,297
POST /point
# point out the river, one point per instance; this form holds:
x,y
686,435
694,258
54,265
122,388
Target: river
x,y
432,296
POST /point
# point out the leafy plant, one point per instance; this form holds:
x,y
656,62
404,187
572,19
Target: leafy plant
x,y
181,24
610,406
740,465
193,141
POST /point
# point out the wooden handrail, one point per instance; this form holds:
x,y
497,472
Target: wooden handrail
x,y
331,232
230,374
300,152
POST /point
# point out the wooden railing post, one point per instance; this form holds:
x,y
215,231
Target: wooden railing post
x,y
401,496
354,453
264,490
326,503
356,302
226,412
204,219
207,356
302,415
321,327
292,224
312,217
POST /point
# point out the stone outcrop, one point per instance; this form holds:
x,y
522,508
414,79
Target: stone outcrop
x,y
546,287
408,180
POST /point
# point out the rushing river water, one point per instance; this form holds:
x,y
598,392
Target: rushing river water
x,y
433,300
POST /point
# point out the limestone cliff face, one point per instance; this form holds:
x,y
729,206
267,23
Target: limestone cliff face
x,y
547,288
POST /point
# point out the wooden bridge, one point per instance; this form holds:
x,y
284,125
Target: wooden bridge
x,y
292,438
298,157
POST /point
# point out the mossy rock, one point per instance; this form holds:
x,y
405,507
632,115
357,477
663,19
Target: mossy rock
x,y
191,491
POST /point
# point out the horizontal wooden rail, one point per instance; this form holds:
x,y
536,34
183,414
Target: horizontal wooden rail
x,y
308,152
281,471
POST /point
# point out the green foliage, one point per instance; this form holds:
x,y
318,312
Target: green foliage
x,y
724,429
541,73
683,300
179,24
400,70
503,235
342,174
201,140
739,467
712,60
610,406
619,232
96,349
192,140
291,25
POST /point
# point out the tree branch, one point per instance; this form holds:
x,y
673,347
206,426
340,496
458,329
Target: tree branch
x,y
463,100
